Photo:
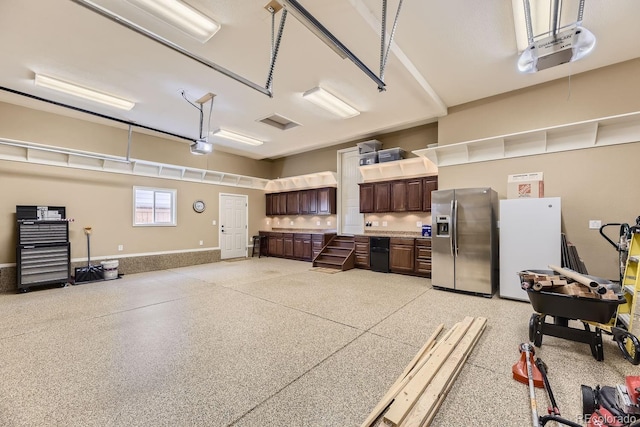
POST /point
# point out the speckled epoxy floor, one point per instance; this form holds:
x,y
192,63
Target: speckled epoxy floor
x,y
263,342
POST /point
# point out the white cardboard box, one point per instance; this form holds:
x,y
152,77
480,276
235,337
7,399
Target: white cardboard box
x,y
525,185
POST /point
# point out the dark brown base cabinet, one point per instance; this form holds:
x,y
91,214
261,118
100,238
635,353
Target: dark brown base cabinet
x,y
301,246
423,258
401,255
407,255
362,252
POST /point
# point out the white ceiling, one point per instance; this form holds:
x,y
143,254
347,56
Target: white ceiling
x,y
447,53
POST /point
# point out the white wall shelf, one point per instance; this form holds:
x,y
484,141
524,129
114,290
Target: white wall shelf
x,y
27,152
620,129
301,182
398,169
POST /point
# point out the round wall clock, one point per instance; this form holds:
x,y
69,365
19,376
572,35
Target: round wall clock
x,y
198,206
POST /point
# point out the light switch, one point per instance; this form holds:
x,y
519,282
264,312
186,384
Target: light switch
x,y
376,223
384,223
419,224
317,222
214,222
120,247
201,242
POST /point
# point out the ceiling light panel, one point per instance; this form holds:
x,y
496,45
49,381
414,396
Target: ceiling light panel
x,y
227,134
83,92
181,16
330,102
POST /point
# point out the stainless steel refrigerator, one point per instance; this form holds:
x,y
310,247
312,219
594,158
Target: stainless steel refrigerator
x,y
465,240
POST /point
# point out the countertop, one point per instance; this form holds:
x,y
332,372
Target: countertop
x,y
300,230
368,233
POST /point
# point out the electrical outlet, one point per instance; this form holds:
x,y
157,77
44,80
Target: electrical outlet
x,y
376,223
317,222
214,222
120,247
291,222
328,222
384,223
201,242
595,224
418,224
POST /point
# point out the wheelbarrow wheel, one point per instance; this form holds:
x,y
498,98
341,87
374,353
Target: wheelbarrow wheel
x,y
533,322
626,339
588,401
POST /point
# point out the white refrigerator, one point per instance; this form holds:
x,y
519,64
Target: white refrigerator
x,y
530,239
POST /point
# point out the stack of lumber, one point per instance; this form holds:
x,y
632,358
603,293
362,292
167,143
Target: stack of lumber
x,y
415,397
570,257
566,282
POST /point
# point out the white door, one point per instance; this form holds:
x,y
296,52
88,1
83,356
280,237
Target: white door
x,y
233,226
351,221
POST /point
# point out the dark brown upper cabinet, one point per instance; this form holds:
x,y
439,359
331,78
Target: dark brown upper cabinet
x,y
398,196
317,201
430,184
293,202
414,195
402,195
366,198
382,195
326,201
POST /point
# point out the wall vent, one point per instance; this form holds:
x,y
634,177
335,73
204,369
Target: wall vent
x,y
279,122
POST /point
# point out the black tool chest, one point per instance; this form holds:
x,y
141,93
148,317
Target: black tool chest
x,y
43,251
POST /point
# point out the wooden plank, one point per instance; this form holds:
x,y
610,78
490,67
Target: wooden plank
x,y
399,383
428,403
407,397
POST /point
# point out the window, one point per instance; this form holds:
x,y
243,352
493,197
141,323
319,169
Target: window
x,y
154,206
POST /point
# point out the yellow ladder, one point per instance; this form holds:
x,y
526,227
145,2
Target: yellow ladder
x,y
630,287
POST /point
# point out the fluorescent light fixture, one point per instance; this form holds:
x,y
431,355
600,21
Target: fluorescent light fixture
x,y
82,92
181,16
227,134
200,147
330,102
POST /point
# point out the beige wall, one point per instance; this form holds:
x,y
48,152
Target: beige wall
x,y
41,127
104,200
596,183
607,91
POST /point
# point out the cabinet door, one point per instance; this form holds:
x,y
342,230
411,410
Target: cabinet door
x,y
279,245
282,204
326,201
398,196
288,245
272,245
267,204
293,202
313,201
401,255
429,185
304,202
382,194
414,195
366,198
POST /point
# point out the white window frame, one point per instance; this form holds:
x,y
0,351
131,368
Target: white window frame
x,y
174,207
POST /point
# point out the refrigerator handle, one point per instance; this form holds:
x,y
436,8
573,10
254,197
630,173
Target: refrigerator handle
x,y
451,216
454,225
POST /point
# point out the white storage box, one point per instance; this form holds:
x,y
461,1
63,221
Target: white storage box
x,y
525,185
390,154
368,158
369,146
